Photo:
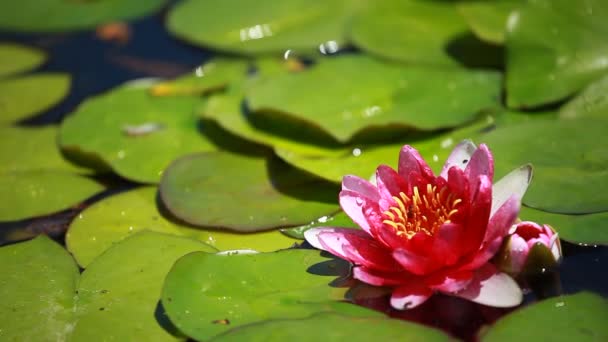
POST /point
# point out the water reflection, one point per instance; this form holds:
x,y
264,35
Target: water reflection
x,y
258,31
329,47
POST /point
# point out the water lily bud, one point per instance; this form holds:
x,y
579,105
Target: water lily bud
x,y
530,248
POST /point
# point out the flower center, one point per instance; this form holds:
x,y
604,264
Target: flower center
x,y
423,212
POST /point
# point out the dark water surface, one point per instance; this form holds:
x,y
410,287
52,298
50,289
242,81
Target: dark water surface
x,y
96,66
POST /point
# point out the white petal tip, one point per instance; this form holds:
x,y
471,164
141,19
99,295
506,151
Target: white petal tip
x,y
499,290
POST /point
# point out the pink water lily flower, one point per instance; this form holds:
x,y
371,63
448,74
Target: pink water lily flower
x,y
529,248
423,233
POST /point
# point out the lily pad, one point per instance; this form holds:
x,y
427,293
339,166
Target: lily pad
x,y
588,229
205,294
592,102
570,175
35,180
413,31
115,218
135,133
360,93
578,317
38,276
24,96
261,27
334,327
246,194
554,48
27,148
213,75
111,300
16,58
488,19
39,192
362,161
338,220
62,15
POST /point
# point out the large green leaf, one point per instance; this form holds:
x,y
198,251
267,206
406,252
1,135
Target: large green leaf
x,y
223,190
554,48
592,102
579,317
569,159
414,31
488,19
24,96
361,93
38,285
115,298
34,178
18,58
118,293
262,26
362,161
583,229
62,15
334,327
137,134
111,220
205,294
32,193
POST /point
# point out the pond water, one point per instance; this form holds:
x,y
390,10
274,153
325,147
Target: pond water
x,y
97,65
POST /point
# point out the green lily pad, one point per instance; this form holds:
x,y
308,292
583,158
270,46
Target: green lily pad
x,y
334,327
592,102
246,194
24,96
362,161
261,27
413,31
35,180
338,220
38,277
16,58
62,15
554,48
135,133
360,93
578,317
205,294
488,19
39,192
213,75
588,229
115,218
570,175
115,298
27,148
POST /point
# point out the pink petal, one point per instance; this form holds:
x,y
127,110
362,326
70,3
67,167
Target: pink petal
x,y
449,282
414,263
411,161
458,183
379,278
446,247
352,203
410,296
518,253
479,213
503,219
481,164
312,235
358,249
483,255
513,184
389,184
360,185
488,287
460,157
